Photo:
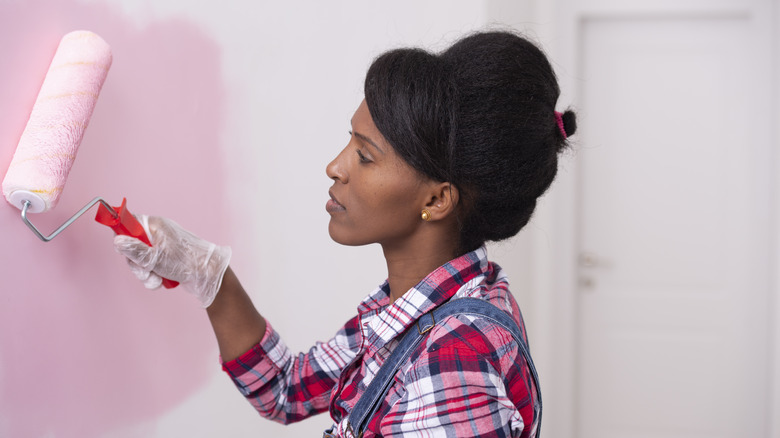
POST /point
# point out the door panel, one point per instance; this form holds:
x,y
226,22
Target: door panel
x,y
673,278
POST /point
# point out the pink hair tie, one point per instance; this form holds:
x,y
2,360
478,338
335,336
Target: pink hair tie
x,y
559,121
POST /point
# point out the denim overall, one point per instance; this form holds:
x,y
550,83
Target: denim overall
x,y
377,390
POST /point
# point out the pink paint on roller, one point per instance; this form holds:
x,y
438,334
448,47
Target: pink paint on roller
x,y
48,146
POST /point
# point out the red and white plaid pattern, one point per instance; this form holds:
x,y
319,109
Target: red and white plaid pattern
x,y
467,379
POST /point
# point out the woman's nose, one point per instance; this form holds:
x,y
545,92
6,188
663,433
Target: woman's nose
x,y
336,169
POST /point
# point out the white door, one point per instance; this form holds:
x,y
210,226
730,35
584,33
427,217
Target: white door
x,y
675,233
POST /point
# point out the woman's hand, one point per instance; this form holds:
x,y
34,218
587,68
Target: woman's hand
x,y
175,254
202,269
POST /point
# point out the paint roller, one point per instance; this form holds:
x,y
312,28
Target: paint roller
x,y
49,142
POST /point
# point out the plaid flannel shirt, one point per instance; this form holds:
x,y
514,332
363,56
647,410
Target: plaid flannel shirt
x,y
467,379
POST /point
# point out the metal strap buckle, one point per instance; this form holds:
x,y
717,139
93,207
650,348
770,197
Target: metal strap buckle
x,y
428,327
352,432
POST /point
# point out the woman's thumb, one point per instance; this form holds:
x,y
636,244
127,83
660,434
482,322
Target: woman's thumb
x,y
138,252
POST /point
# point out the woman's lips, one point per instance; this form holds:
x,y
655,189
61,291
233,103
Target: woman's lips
x,y
333,206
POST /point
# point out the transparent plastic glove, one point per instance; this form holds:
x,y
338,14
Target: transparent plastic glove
x,y
175,254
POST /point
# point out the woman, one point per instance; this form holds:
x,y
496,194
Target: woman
x,y
447,151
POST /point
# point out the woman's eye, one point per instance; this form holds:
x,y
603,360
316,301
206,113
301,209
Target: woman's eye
x,y
362,157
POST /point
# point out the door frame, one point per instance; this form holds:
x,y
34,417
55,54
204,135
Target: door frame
x,y
774,320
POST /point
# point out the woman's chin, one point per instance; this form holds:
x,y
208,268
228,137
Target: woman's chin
x,y
343,235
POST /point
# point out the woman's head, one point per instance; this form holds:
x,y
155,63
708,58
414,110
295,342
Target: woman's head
x,y
377,197
481,116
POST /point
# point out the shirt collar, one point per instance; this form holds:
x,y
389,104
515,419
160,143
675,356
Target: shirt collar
x,y
435,289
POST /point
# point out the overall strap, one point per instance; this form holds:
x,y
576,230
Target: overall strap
x,y
377,390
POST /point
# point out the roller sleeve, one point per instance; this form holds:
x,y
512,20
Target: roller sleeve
x,y
48,145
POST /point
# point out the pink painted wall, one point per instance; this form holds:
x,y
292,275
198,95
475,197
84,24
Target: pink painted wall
x,y
84,348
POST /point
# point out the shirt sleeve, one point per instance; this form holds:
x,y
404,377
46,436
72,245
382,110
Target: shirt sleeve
x,y
287,388
467,383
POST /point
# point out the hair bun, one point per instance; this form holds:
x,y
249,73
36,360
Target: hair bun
x,y
569,122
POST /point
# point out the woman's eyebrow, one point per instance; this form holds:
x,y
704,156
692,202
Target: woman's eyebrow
x,y
368,140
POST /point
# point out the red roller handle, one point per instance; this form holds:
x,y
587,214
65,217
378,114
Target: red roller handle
x,y
126,224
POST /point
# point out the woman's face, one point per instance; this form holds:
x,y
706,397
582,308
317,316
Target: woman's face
x,y
376,197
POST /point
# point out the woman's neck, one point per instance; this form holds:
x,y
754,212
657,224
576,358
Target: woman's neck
x,y
407,266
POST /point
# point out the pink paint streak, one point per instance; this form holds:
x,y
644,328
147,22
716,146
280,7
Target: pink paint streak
x,y
84,349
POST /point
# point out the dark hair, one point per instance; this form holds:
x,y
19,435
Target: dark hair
x,y
480,115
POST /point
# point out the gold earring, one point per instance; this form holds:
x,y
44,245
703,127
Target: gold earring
x,y
426,215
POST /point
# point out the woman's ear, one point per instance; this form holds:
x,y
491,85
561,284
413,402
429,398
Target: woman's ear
x,y
442,201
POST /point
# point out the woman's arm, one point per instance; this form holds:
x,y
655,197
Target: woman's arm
x,y
280,386
203,270
236,323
